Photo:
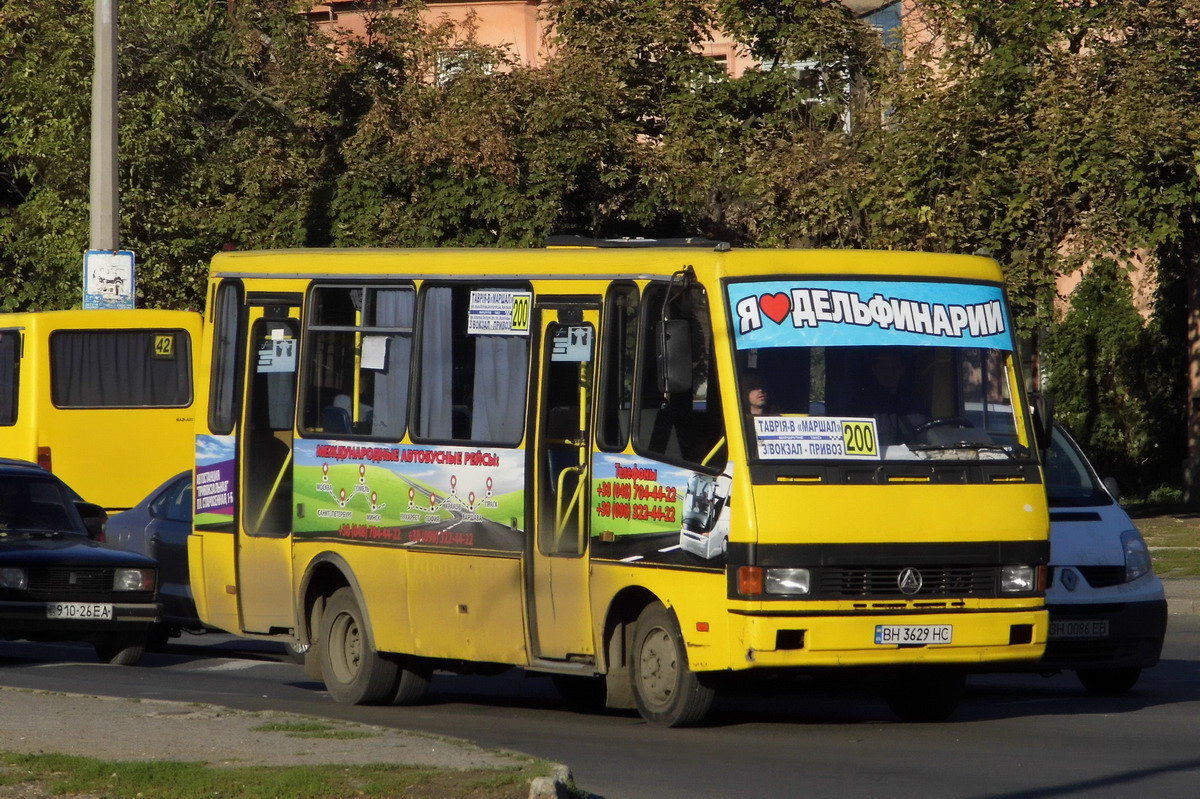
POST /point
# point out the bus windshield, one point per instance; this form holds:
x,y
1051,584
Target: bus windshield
x,y
876,371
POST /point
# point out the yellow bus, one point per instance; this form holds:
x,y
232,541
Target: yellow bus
x,y
102,398
637,469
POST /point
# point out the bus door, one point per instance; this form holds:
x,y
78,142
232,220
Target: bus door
x,y
560,617
264,557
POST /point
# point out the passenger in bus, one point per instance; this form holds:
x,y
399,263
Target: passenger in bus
x,y
757,399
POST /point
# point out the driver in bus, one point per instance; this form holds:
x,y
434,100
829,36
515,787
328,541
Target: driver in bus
x,y
887,397
757,399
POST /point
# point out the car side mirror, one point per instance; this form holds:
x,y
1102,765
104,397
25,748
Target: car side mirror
x,y
674,356
94,519
1110,485
1043,420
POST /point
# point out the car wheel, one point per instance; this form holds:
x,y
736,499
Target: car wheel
x,y
1108,682
666,691
926,694
354,672
121,649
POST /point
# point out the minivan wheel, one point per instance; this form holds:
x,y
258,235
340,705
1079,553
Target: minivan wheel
x,y
121,649
355,673
1109,682
666,691
926,694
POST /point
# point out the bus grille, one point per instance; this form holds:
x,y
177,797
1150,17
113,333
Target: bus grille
x,y
871,581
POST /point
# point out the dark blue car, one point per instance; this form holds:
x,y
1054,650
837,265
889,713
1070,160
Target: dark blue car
x,y
57,582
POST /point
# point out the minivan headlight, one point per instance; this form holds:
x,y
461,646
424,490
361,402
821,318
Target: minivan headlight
x,y
17,579
133,580
1137,555
796,582
1017,579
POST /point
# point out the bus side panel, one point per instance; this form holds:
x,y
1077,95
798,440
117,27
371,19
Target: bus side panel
x,y
696,597
466,607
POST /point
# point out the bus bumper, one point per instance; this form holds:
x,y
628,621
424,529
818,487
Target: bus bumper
x,y
849,640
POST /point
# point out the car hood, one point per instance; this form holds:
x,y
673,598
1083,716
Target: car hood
x,y
73,551
1088,536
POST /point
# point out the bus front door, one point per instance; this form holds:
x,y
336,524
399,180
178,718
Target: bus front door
x,y
264,556
560,616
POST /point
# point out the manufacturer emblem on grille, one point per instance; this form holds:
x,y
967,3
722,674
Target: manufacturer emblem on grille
x,y
1070,579
73,578
910,581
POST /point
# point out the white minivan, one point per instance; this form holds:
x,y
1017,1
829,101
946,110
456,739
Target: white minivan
x,y
1108,613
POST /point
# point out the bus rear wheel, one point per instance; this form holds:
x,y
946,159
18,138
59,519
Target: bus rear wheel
x,y
926,694
354,672
666,691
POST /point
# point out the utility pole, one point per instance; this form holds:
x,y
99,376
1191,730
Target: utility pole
x,y
105,201
108,272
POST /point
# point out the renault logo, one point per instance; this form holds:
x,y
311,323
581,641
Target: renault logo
x,y
910,581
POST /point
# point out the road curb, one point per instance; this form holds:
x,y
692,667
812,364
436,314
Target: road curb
x,y
560,785
1183,596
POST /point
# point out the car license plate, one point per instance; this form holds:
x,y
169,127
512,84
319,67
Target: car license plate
x,y
913,634
1079,628
92,611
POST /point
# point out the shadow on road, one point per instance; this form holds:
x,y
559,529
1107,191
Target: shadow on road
x,y
1097,783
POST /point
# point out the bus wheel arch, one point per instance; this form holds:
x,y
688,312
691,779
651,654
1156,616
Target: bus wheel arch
x,y
325,575
623,611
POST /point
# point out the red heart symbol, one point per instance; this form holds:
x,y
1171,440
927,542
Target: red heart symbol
x,y
776,306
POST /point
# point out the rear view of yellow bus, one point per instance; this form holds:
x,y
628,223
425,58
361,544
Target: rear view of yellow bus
x,y
102,398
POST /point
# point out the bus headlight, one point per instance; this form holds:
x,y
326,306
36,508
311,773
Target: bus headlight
x,y
1137,555
1017,579
796,582
133,580
16,579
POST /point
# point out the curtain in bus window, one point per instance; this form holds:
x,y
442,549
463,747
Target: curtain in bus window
x,y
10,374
437,366
499,401
119,369
393,308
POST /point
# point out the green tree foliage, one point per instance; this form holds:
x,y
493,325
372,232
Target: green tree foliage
x,y
1052,136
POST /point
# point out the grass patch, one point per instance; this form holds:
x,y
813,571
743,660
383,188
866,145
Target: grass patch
x,y
59,775
311,729
1177,529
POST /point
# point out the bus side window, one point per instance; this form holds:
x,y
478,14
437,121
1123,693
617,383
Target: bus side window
x,y
223,411
616,381
10,376
684,426
357,359
471,387
120,369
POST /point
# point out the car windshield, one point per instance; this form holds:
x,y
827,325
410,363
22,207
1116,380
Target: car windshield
x,y
31,504
1069,480
876,370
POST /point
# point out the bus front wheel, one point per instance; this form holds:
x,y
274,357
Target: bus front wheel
x,y
666,691
355,673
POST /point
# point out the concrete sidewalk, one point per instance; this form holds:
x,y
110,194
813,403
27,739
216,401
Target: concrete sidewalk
x,y
1183,595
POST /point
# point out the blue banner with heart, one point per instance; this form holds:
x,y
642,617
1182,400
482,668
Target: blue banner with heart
x,y
863,313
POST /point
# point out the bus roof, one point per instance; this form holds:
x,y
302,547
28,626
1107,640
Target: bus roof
x,y
632,263
102,318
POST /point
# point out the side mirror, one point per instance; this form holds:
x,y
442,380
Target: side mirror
x,y
1043,420
674,356
94,519
1110,485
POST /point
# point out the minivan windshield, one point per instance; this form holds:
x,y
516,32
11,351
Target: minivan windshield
x,y
31,504
875,370
1070,482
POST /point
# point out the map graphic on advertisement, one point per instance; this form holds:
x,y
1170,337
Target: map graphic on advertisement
x,y
644,511
410,494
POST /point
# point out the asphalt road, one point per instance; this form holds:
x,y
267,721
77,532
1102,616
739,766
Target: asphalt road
x,y
1014,736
